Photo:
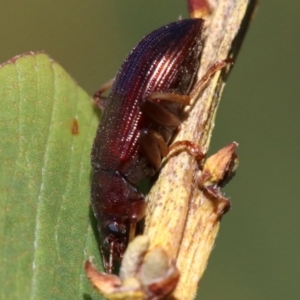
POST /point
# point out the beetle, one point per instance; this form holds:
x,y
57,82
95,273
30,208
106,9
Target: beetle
x,y
141,115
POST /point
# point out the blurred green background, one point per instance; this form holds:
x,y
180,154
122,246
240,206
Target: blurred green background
x,y
256,254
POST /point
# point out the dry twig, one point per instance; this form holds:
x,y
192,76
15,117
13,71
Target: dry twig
x,y
181,217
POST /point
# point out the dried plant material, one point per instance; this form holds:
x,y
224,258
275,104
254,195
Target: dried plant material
x,y
144,274
217,171
158,274
199,8
220,167
104,283
133,257
182,218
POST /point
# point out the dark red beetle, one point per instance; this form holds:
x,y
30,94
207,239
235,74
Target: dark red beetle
x,y
140,116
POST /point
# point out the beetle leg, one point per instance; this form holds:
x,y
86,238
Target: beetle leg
x,y
153,146
99,100
191,147
186,99
137,213
217,66
178,98
159,114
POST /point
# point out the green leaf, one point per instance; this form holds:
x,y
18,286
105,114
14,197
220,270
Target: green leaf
x,y
45,217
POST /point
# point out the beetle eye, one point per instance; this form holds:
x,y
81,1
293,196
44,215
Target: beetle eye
x,y
116,229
